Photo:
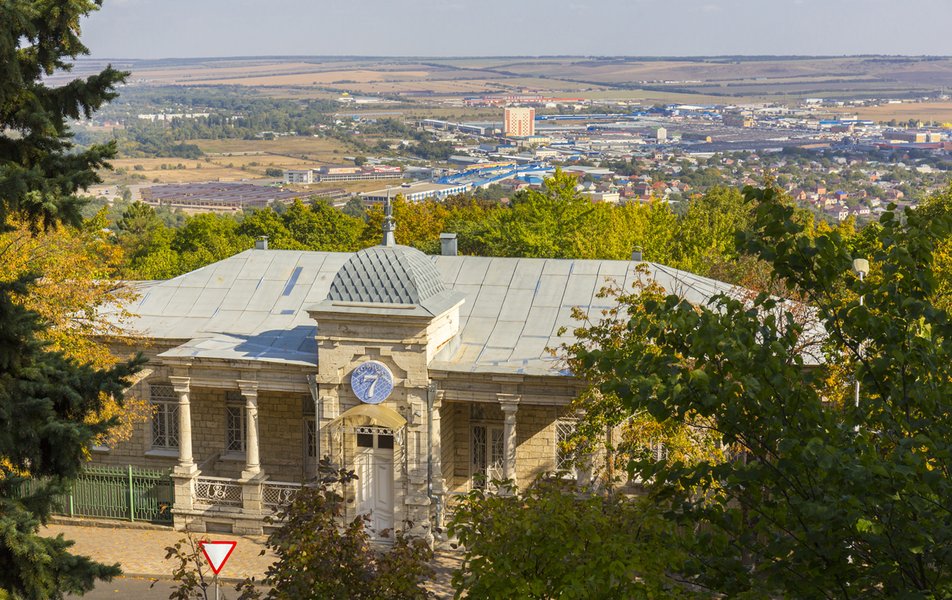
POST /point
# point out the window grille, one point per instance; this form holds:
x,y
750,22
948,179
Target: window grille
x,y
234,429
479,450
658,450
564,458
165,424
487,455
310,438
235,422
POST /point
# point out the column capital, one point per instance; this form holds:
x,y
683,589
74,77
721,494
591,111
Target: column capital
x,y
180,384
508,402
248,389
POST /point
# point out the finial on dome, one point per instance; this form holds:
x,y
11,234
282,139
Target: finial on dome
x,y
389,224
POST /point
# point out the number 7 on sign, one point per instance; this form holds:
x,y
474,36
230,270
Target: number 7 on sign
x,y
372,378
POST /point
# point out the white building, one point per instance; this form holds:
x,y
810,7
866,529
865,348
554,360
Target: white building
x,y
415,192
298,176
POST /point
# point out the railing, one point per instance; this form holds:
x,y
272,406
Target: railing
x,y
128,493
217,491
276,494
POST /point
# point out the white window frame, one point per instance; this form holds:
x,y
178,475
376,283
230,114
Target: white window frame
x,y
164,400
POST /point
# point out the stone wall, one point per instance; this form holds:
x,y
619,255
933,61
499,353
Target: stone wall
x,y
448,443
535,442
280,431
461,444
208,434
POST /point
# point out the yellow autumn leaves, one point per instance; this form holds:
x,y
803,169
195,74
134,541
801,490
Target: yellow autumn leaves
x,y
75,271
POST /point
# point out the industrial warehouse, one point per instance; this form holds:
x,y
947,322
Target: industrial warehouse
x,y
227,197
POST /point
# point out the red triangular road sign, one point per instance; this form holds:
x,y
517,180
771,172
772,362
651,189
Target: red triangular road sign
x,y
217,553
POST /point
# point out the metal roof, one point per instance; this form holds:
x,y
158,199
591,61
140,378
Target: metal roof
x,y
253,306
387,274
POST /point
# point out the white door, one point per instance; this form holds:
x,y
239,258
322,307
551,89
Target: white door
x,y
374,468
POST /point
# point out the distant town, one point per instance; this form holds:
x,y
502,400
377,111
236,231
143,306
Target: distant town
x,y
822,151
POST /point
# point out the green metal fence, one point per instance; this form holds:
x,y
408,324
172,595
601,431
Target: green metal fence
x,y
129,493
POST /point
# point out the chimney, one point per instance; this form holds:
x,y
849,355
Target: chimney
x,y
261,243
637,254
448,244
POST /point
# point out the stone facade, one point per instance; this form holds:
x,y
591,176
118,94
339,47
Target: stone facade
x,y
427,472
415,448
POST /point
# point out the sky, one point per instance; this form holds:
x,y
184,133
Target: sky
x,y
207,28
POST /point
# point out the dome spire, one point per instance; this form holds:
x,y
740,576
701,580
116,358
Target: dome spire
x,y
389,224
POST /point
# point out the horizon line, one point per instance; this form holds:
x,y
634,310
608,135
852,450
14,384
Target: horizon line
x,y
524,56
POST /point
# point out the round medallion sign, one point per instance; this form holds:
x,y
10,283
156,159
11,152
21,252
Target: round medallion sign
x,y
372,382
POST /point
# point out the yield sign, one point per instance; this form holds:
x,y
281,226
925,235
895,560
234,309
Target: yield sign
x,y
217,553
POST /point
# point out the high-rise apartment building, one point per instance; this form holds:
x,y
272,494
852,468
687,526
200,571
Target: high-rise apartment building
x,y
519,122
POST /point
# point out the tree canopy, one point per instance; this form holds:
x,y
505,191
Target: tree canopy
x,y
51,406
822,497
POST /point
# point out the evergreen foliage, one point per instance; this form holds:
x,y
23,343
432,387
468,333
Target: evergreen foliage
x,y
48,410
39,174
51,407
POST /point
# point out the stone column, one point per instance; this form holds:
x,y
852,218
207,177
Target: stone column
x,y
509,404
437,456
185,472
186,462
249,390
416,502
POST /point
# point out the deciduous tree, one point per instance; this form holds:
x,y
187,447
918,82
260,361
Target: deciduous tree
x,y
551,541
318,559
826,497
79,299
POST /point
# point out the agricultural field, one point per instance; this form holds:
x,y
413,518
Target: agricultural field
x,y
228,160
735,78
609,71
650,97
357,76
940,112
448,87
176,170
323,150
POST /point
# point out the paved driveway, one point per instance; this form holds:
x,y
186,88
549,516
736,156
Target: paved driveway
x,y
141,553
